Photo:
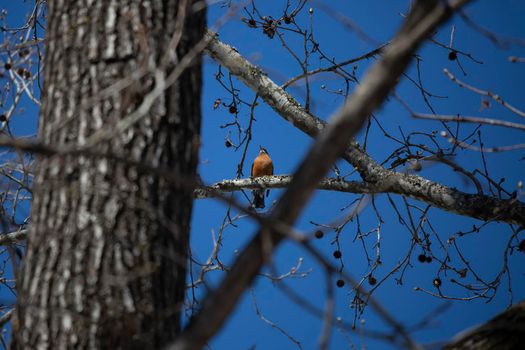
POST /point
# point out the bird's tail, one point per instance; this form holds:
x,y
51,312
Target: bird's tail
x,y
258,198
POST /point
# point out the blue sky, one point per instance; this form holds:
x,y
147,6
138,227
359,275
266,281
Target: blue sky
x,y
287,145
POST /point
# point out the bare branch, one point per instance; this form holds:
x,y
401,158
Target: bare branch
x,y
334,67
487,93
504,331
281,181
477,120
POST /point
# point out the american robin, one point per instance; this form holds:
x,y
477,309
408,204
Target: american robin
x,y
262,166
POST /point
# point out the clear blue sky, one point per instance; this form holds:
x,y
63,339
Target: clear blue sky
x,y
287,145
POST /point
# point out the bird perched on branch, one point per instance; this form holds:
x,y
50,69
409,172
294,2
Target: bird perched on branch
x,y
262,166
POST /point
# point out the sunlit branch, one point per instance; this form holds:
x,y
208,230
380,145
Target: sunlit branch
x,y
282,181
476,120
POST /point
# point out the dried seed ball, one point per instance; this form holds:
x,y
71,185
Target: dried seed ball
x,y
228,143
338,254
372,280
232,109
8,66
3,118
319,234
437,282
521,246
421,258
452,55
251,23
429,259
340,283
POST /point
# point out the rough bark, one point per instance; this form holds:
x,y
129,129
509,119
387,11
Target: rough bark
x,y
106,253
504,332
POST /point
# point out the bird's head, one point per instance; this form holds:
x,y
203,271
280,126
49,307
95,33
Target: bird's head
x,y
262,150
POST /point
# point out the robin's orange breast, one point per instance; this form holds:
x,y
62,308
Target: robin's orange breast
x,y
262,166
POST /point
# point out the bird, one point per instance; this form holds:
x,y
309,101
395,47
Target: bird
x,y
262,166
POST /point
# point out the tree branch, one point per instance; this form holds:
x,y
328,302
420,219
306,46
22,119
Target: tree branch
x,y
487,93
476,120
6,317
281,181
477,206
505,331
13,237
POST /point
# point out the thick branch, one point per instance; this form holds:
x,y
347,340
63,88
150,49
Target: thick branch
x,y
280,181
505,332
477,206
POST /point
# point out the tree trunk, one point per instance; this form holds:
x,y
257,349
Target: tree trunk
x,y
106,254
